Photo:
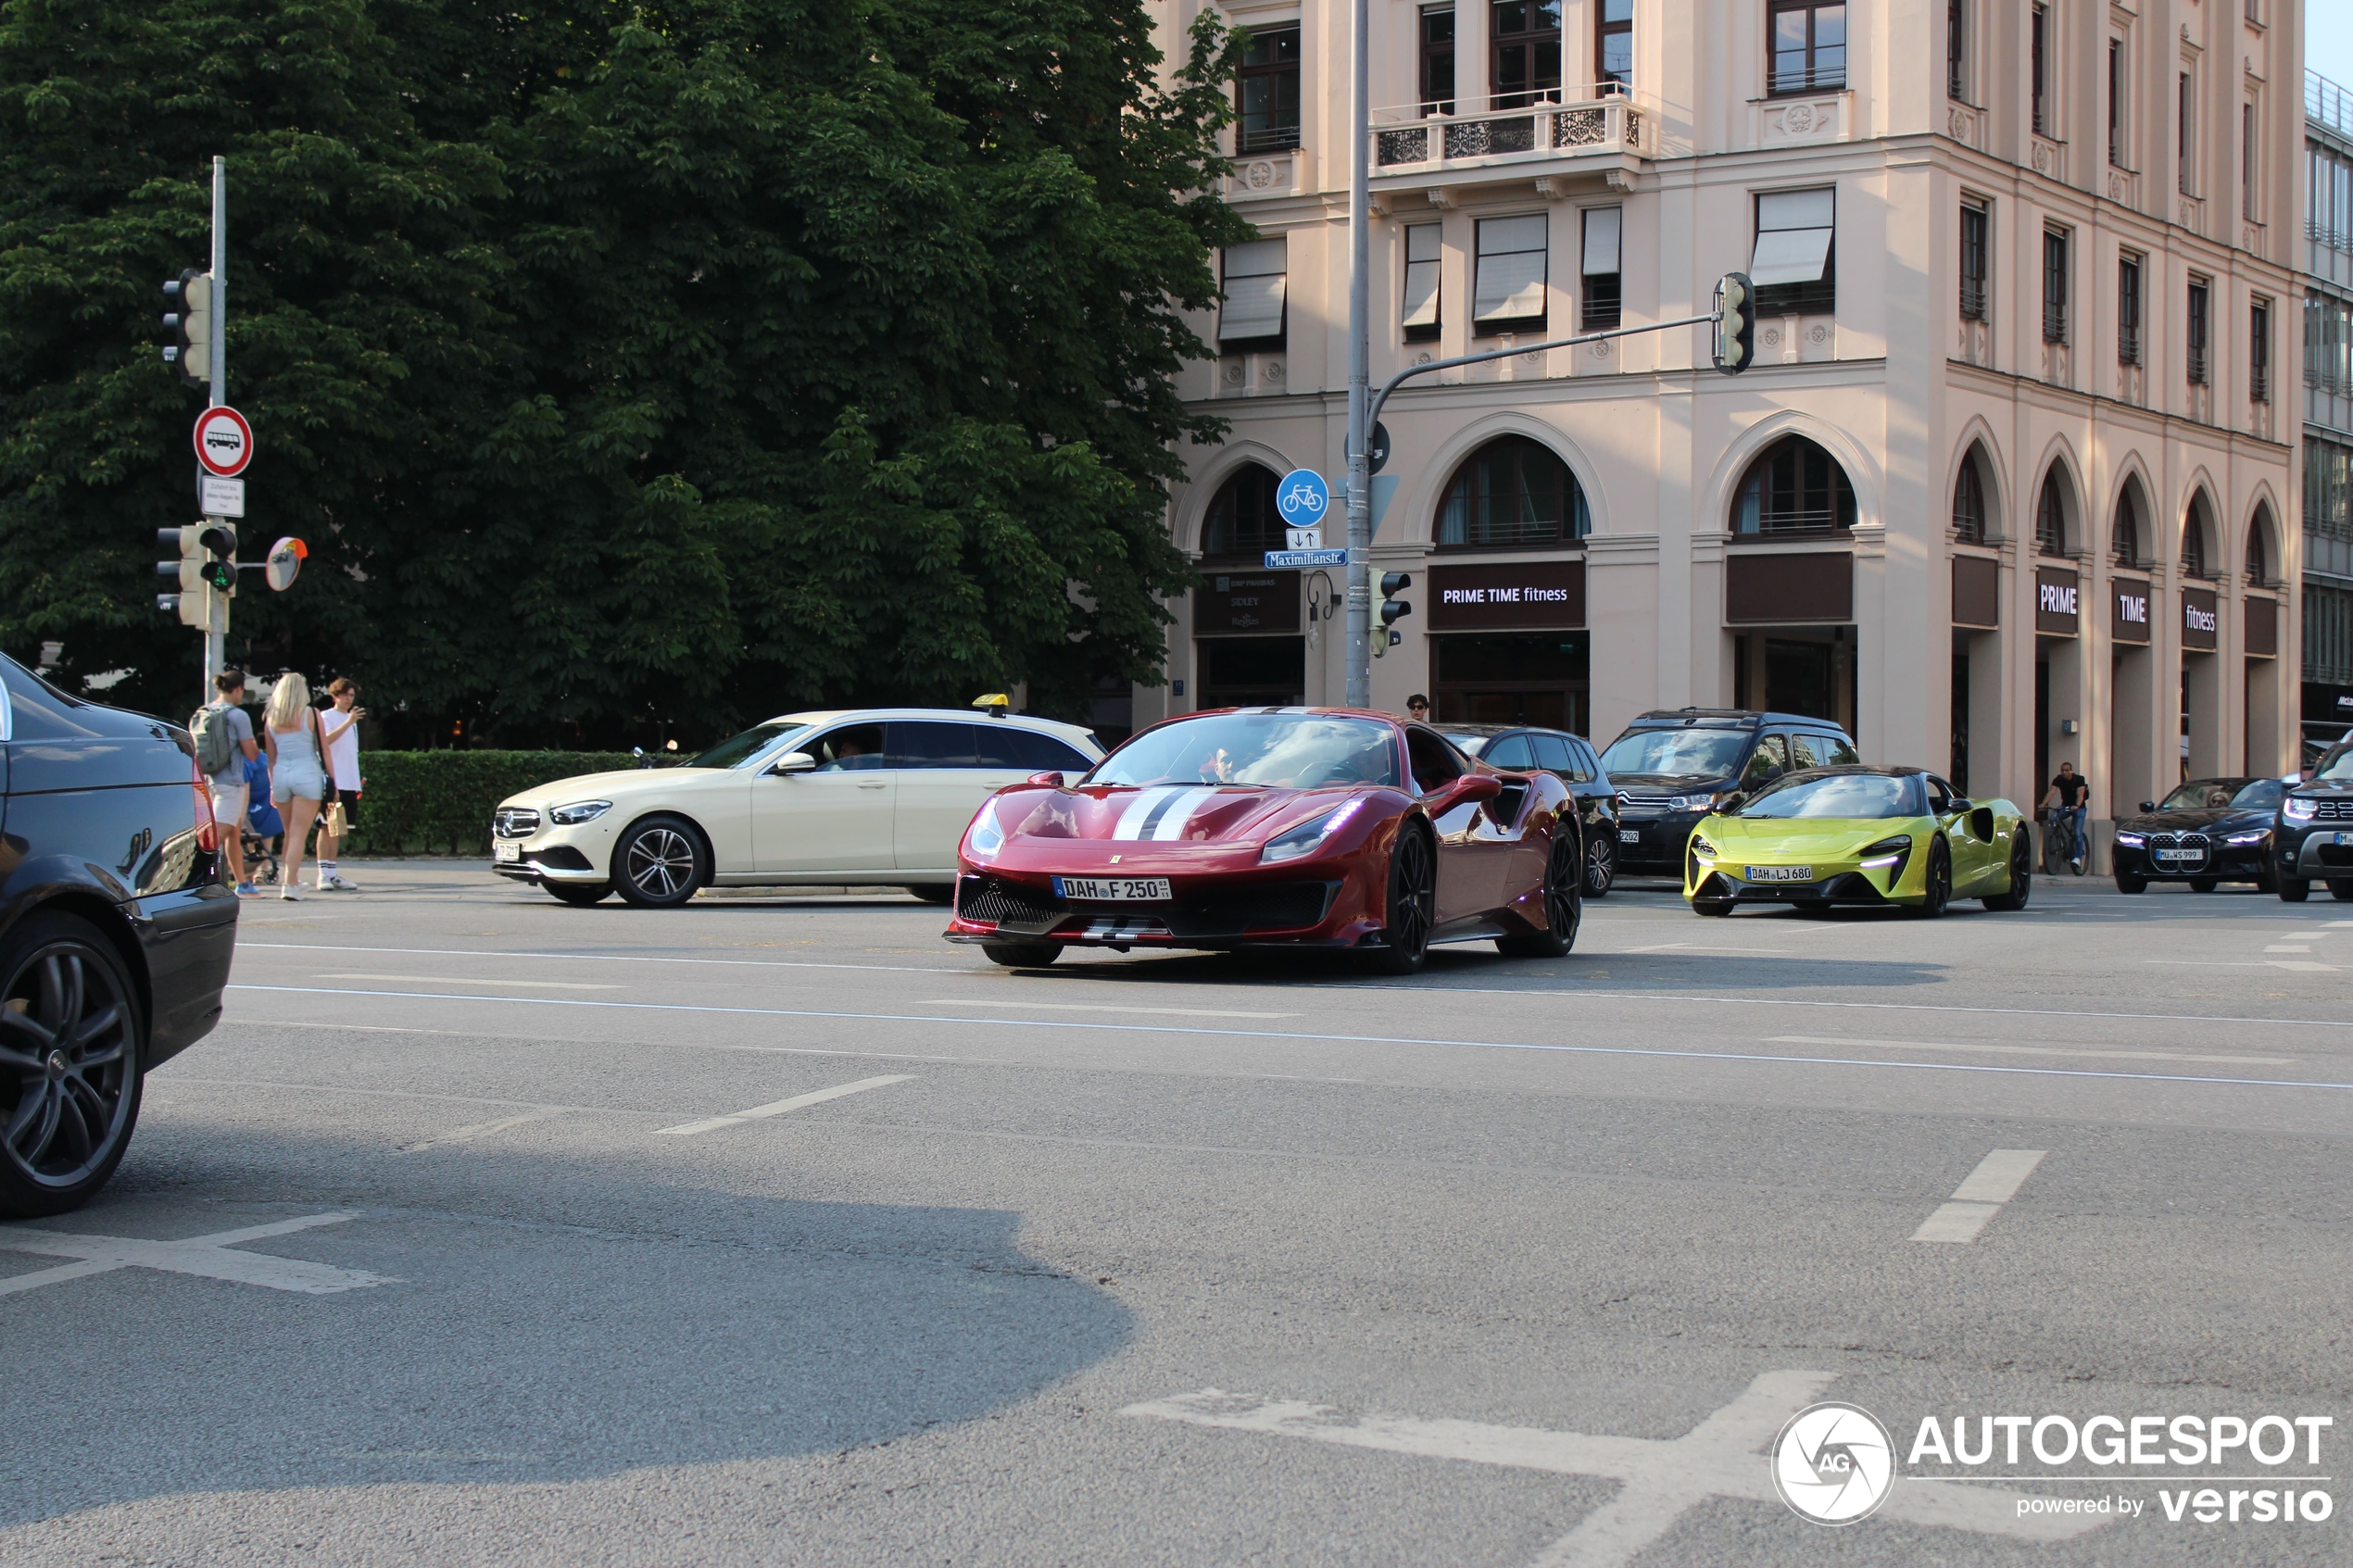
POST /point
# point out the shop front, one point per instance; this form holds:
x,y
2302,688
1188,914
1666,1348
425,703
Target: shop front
x,y
2132,757
1977,668
2201,748
1791,614
2058,671
1249,650
1508,645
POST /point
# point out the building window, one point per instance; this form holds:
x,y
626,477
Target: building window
x,y
2188,125
1968,502
2247,162
1793,487
2050,516
1794,265
2328,344
1423,268
1976,254
1438,59
1252,315
2194,540
1524,39
1507,294
1808,44
2055,284
1604,237
2328,634
2259,552
1512,494
1613,45
2201,297
2328,190
2125,537
2128,309
2117,82
1957,49
2259,351
2328,513
2038,31
1242,520
1267,88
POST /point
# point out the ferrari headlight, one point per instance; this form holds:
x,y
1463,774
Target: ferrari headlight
x,y
579,811
2131,840
986,836
2299,808
2243,839
1307,837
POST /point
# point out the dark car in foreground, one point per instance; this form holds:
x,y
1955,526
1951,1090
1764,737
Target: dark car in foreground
x,y
1676,766
1569,758
2207,833
2313,840
116,932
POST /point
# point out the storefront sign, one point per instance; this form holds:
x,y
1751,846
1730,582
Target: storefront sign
x,y
1506,595
1764,589
1977,590
2200,618
2056,609
2128,606
2262,617
1259,602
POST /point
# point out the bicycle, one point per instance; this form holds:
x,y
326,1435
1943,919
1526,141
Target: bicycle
x,y
2061,852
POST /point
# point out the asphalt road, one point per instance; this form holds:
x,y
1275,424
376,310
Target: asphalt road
x,y
1192,1260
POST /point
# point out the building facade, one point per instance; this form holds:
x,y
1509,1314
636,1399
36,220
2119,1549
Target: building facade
x,y
2328,411
2005,486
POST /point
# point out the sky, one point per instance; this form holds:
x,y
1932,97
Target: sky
x,y
2328,39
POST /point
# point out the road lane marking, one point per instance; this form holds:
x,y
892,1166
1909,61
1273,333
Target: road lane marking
x,y
1977,1200
2022,1050
761,1112
473,980
2288,947
1662,1478
484,1129
1697,947
590,957
1102,1007
1658,1052
207,1257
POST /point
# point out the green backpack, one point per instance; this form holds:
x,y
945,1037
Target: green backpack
x,y
216,745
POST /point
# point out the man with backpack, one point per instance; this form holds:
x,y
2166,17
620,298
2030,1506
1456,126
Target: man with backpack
x,y
223,733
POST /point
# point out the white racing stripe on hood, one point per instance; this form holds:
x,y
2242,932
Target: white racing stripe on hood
x,y
1131,820
1180,812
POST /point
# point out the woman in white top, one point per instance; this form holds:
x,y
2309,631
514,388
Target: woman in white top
x,y
298,768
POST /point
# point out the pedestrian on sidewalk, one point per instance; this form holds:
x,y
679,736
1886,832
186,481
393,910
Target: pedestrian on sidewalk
x,y
297,769
340,726
224,737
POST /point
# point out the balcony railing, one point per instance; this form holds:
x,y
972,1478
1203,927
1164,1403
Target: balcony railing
x,y
1609,124
2326,102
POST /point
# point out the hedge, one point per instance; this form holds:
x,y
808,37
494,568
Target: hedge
x,y
439,802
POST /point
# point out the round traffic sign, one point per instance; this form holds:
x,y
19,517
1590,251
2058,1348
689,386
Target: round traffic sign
x,y
224,441
1303,498
1376,449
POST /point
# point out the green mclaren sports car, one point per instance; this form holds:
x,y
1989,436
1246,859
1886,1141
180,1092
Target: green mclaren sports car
x,y
1859,835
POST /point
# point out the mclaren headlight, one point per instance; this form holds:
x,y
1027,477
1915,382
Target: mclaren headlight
x,y
1887,855
1705,850
579,811
986,836
1297,843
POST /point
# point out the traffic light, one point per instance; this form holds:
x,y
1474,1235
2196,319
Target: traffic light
x,y
206,566
1393,609
1735,322
188,316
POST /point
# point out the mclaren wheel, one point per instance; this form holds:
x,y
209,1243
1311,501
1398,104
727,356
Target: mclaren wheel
x,y
659,864
1601,864
1564,873
72,1037
1712,907
1022,955
2021,880
579,895
1939,893
1413,902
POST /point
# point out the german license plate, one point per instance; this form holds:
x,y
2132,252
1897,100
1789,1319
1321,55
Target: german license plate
x,y
1780,873
507,851
1629,836
2181,854
1114,889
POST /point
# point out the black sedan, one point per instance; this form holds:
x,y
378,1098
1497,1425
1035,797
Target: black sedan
x,y
2313,840
2207,833
116,931
1522,748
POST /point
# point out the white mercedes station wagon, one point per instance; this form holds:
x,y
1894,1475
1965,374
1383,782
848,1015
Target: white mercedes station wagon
x,y
874,795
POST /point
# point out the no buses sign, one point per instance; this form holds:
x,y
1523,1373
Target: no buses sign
x,y
224,441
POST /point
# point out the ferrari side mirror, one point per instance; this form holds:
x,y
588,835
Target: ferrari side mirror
x,y
1471,787
794,762
1051,781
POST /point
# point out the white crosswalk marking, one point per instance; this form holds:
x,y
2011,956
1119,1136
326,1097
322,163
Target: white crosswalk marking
x,y
1977,1200
209,1257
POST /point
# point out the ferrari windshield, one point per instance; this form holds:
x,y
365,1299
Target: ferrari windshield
x,y
1284,750
1833,795
745,747
1686,754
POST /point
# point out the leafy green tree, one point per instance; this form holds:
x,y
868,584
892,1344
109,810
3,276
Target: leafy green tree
x,y
622,365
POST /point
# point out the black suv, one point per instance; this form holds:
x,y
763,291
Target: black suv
x,y
1674,767
2313,838
1525,748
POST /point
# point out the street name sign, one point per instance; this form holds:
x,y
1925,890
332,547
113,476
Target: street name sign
x,y
1276,558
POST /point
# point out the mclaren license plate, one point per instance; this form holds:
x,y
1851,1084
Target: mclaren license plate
x,y
507,851
1114,889
1630,835
2180,855
1780,873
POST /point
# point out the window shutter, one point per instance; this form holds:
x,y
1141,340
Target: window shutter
x,y
1422,268
1254,279
1602,225
1511,269
1793,230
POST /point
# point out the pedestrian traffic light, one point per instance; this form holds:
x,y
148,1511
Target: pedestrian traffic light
x,y
207,565
188,316
1735,322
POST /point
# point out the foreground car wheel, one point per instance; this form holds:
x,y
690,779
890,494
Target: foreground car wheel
x,y
2341,890
2127,881
1022,955
1413,900
1939,895
1564,907
1711,906
2205,884
2021,880
579,895
1601,865
71,1040
659,864
2295,889
933,891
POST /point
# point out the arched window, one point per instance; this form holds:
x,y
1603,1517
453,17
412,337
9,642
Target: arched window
x,y
2124,538
1793,487
1512,493
2050,516
2194,552
1242,520
2258,551
1968,502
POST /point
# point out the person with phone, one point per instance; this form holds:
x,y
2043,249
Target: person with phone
x,y
340,726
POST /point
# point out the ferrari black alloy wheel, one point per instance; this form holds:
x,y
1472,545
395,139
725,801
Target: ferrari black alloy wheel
x,y
70,1037
1022,955
1413,901
1939,881
659,863
1601,862
1563,905
2021,878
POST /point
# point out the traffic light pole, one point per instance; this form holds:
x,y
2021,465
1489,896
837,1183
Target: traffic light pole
x,y
1360,375
216,637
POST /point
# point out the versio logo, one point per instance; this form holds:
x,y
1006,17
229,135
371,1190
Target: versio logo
x,y
1833,1462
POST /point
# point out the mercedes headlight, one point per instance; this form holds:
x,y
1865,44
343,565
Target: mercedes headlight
x,y
2299,808
2131,840
986,836
579,811
2243,839
1307,837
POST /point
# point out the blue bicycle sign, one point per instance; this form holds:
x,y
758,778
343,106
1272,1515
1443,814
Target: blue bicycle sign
x,y
1303,498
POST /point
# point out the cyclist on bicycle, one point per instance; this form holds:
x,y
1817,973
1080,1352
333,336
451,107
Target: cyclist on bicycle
x,y
2067,799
